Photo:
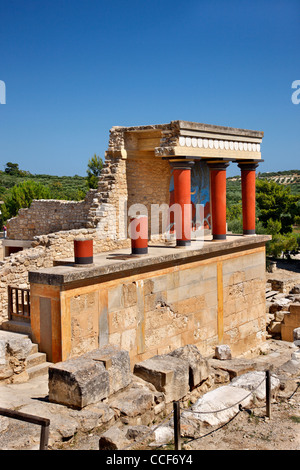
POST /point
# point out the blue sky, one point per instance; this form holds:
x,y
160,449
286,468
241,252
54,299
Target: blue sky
x,y
75,68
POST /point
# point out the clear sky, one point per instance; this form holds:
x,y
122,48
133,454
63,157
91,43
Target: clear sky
x,y
75,68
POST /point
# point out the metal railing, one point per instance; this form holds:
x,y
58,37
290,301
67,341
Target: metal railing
x,y
18,302
43,422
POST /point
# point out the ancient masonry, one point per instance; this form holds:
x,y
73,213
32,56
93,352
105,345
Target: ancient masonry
x,y
183,291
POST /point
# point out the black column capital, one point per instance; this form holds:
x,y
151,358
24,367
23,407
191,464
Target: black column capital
x,y
218,165
182,164
248,166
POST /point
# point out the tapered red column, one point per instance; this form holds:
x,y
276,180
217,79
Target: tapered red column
x,y
218,199
182,201
248,178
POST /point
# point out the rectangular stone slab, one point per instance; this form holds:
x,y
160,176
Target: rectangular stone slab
x,y
168,374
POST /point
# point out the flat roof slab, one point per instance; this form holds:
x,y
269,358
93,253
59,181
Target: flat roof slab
x,y
121,263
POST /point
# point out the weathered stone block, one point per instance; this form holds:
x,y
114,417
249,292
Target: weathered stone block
x,y
117,363
168,374
133,402
296,334
223,352
78,382
198,366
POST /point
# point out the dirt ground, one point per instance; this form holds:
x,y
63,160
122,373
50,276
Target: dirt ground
x,y
251,430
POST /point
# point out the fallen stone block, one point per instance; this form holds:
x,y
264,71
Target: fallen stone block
x,y
199,369
90,378
219,405
137,433
133,402
168,374
114,439
117,363
295,289
223,352
280,304
235,367
255,382
296,334
78,382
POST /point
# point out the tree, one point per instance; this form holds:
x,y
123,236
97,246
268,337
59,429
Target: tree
x,y
22,195
276,202
95,166
12,169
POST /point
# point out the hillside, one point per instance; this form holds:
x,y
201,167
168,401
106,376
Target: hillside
x,y
60,187
287,178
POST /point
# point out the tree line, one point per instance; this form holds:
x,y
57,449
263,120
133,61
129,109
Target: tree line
x,y
277,213
277,207
18,188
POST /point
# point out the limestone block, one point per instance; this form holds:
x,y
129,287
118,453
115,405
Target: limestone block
x,y
114,439
296,334
223,352
218,406
255,382
168,374
133,402
117,363
78,382
296,289
198,366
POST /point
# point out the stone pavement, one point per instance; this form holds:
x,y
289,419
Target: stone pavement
x,y
32,398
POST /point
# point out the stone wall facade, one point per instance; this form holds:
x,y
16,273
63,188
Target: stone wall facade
x,y
45,251
205,303
123,183
49,216
148,181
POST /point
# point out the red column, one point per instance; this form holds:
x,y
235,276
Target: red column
x,y
182,201
218,199
83,251
139,235
248,177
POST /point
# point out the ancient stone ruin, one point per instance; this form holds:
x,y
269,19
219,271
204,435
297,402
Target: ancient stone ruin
x,y
141,278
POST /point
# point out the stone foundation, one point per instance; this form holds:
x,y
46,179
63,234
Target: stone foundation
x,y
154,304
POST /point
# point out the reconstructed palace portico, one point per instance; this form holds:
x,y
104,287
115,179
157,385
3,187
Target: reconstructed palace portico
x,y
182,144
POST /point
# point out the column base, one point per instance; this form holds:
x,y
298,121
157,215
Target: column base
x,y
183,242
139,251
219,237
248,232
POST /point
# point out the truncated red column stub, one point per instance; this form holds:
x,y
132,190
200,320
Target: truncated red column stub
x,y
83,251
139,235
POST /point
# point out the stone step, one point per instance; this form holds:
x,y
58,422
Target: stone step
x,y
35,359
38,370
15,326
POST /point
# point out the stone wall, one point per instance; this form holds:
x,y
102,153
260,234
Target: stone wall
x,y
123,183
45,250
148,180
207,302
49,216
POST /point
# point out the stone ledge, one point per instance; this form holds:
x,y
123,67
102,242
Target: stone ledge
x,y
114,263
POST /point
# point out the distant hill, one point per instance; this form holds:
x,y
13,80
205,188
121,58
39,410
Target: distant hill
x,y
61,187
288,178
